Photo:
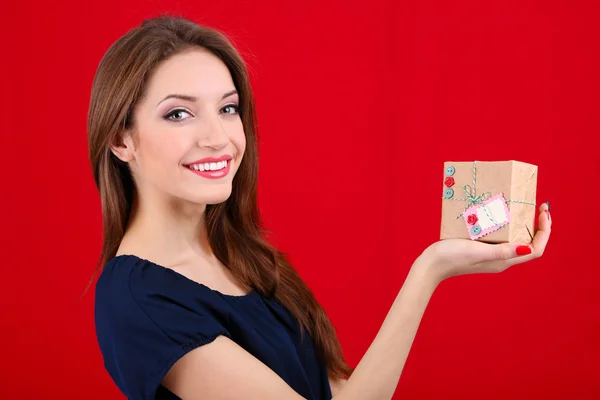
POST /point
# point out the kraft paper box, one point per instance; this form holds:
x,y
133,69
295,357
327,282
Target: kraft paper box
x,y
493,202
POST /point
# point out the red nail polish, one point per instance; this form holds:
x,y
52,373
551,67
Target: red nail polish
x,y
523,250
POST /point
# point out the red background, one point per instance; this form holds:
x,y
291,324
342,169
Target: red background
x,y
359,104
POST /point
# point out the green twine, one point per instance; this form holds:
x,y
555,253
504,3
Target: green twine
x,y
519,201
473,199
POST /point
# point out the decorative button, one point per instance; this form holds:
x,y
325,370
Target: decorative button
x,y
472,219
449,170
448,193
449,181
475,230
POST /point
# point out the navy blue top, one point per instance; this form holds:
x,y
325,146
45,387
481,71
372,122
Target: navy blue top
x,y
148,316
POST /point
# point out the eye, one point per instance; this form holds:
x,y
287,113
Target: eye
x,y
233,109
176,113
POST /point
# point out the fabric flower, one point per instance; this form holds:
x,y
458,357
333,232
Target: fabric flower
x,y
472,219
449,181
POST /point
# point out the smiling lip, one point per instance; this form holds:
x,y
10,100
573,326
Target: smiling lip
x,y
208,173
225,157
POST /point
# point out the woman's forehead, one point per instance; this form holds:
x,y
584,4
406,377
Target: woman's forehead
x,y
197,73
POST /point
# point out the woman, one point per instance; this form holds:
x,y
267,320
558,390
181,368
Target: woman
x,y
192,302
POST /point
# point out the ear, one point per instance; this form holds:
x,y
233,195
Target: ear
x,y
122,146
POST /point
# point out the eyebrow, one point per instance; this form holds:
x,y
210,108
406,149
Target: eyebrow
x,y
193,98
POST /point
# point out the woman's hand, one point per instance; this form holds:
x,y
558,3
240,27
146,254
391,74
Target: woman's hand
x,y
453,257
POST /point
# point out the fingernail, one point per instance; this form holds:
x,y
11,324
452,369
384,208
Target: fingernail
x,y
548,204
523,250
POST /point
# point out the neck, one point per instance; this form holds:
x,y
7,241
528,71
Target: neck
x,y
166,230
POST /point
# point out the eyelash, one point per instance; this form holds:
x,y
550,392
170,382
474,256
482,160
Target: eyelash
x,y
168,115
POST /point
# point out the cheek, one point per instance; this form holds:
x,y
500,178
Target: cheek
x,y
159,151
238,138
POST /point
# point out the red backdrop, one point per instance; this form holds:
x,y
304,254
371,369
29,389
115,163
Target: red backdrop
x,y
359,104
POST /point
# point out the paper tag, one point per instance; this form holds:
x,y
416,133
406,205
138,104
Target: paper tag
x,y
485,218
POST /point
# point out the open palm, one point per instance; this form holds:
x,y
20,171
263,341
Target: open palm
x,y
452,257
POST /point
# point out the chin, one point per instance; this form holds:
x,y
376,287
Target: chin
x,y
211,196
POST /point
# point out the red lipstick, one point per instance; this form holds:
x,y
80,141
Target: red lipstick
x,y
199,167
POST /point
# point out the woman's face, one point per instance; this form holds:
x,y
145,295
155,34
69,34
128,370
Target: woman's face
x,y
188,115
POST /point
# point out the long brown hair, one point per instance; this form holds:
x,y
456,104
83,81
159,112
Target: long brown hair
x,y
235,231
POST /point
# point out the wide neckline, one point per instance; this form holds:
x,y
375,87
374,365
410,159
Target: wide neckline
x,y
185,278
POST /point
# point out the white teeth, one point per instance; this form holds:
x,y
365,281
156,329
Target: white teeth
x,y
209,166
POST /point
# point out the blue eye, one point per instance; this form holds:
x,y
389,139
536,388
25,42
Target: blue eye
x,y
235,107
175,112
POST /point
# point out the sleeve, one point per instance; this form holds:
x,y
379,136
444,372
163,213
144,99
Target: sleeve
x,y
147,318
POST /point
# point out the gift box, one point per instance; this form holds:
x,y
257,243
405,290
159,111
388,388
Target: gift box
x,y
493,202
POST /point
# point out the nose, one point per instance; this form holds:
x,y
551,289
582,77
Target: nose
x,y
213,134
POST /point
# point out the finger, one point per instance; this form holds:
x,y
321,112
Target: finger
x,y
540,240
505,251
504,255
500,257
545,207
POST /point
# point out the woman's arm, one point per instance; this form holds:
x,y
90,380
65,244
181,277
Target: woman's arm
x,y
223,370
378,372
336,384
399,329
